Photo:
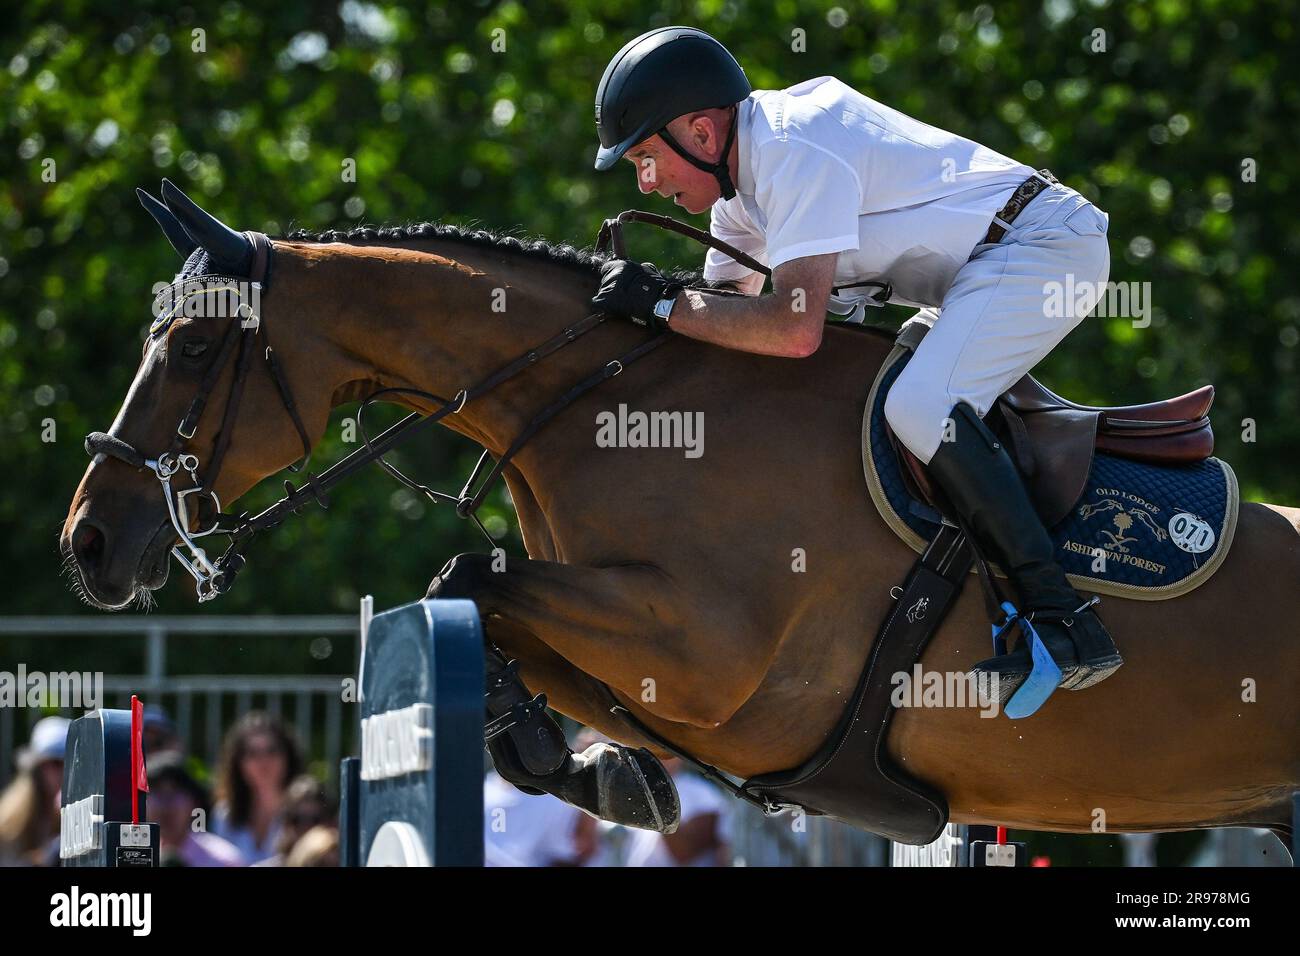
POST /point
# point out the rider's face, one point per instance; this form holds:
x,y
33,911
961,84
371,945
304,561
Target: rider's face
x,y
661,170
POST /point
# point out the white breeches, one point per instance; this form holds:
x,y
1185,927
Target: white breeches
x,y
1007,308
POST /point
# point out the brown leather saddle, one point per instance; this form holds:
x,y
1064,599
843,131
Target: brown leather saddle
x,y
1052,440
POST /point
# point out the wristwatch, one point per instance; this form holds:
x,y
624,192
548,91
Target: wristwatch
x,y
663,308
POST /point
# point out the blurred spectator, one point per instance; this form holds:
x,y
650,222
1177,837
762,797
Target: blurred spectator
x,y
520,829
259,758
603,843
173,797
319,846
29,806
160,733
307,806
700,839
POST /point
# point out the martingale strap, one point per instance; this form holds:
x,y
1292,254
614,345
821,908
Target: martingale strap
x,y
242,528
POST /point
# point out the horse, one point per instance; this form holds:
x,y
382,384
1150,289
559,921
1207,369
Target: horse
x,y
727,599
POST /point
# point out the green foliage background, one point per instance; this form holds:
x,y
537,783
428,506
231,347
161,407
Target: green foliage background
x,y
1157,128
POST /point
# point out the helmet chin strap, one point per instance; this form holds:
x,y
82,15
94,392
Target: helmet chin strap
x,y
719,169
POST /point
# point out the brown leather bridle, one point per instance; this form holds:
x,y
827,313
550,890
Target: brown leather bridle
x,y
243,332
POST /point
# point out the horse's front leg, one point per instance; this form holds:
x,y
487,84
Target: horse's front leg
x,y
611,781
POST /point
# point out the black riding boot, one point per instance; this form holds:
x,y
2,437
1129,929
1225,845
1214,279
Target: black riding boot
x,y
984,488
609,781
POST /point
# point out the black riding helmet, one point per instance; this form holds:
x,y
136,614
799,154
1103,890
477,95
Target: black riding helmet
x,y
658,77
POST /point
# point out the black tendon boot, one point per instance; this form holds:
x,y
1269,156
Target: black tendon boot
x,y
609,781
986,491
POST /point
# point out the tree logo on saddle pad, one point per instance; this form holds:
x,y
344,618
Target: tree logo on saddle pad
x,y
1123,518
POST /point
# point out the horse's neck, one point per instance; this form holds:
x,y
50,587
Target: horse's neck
x,y
426,322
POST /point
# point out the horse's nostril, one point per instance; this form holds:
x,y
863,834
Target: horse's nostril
x,y
87,544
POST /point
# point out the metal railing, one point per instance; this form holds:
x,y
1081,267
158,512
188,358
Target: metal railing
x,y
202,705
804,840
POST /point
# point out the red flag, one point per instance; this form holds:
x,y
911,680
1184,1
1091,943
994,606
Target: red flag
x,y
138,772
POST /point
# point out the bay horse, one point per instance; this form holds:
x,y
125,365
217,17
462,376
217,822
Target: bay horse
x,y
729,599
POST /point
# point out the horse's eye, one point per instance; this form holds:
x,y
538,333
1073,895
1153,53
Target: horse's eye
x,y
194,349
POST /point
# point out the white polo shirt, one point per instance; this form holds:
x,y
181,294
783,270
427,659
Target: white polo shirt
x,y
822,168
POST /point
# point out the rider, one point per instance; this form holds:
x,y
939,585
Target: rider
x,y
828,188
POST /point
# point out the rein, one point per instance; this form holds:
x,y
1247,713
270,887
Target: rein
x,y
612,232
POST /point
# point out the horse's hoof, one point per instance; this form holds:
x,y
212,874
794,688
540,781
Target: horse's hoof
x,y
630,787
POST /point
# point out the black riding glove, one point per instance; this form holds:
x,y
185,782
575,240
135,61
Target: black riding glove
x,y
630,290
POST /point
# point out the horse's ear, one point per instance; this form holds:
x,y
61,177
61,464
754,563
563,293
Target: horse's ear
x,y
177,236
222,244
